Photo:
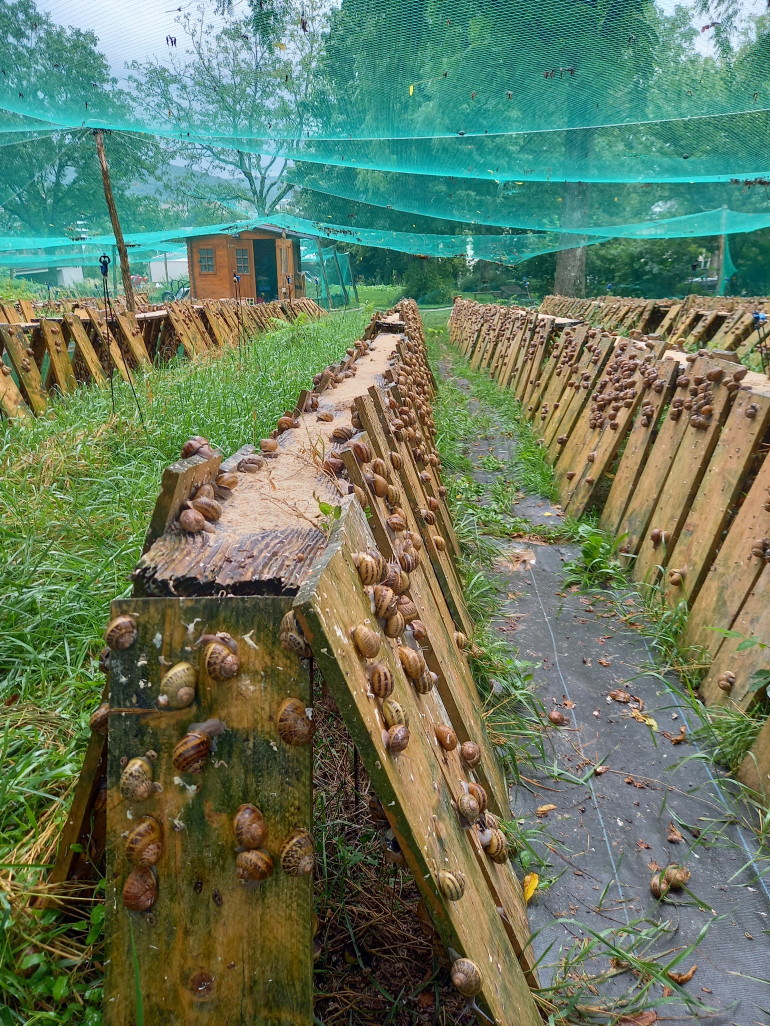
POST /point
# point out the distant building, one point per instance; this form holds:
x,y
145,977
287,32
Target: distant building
x,y
267,259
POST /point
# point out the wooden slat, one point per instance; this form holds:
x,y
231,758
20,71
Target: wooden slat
x,y
30,383
176,488
11,401
133,339
210,949
56,346
587,373
417,787
74,330
111,357
755,768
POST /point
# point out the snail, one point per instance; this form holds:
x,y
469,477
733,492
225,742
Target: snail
x,y
140,890
104,660
409,561
253,866
416,540
425,682
461,640
471,753
673,878
393,497
412,662
479,794
209,509
191,521
396,738
363,451
396,524
445,736
366,640
291,637
361,495
393,713
379,468
370,567
383,601
438,542
197,446
297,853
220,659
396,461
325,417
468,809
269,445
497,847
451,885
250,827
251,464
379,486
557,717
136,783
100,718
178,686
726,681
394,625
407,608
121,632
192,751
144,844
295,727
342,434
381,680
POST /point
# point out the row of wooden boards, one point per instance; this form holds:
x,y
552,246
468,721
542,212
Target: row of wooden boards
x,y
688,494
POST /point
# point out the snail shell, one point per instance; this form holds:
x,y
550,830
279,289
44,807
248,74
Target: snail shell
x,y
407,608
379,486
438,542
412,662
100,718
466,977
471,753
395,461
479,794
208,508
446,737
379,468
396,524
451,885
416,540
394,625
144,845
178,686
191,753
676,876
468,807
363,451
497,845
250,827
295,727
369,567
253,866
269,445
384,601
219,661
408,561
140,890
342,434
366,640
191,521
393,496
381,680
136,782
393,713
120,632
396,738
297,853
104,660
292,641
425,682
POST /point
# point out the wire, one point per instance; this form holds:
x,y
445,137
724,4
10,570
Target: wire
x,y
109,311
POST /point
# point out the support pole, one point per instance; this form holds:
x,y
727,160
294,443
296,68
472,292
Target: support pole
x,y
125,270
342,280
323,273
114,270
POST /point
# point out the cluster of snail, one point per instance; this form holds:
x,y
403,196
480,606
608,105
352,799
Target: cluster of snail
x,y
619,385
658,537
253,862
673,878
726,681
204,506
761,549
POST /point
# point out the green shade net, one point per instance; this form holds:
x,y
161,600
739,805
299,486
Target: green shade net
x,y
495,129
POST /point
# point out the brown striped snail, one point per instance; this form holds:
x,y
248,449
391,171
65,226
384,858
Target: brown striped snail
x,y
178,686
451,885
366,640
291,637
253,866
250,827
140,889
370,566
479,794
220,659
396,738
136,783
468,808
412,662
445,736
394,625
121,632
191,521
471,753
144,844
407,608
295,727
192,751
209,509
383,601
497,847
100,718
381,680
425,682
393,713
466,977
297,853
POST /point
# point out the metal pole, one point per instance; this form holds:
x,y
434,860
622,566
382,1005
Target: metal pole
x,y
323,273
342,280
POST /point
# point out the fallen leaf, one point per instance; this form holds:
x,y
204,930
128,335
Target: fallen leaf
x,y
619,695
639,1019
426,999
515,559
674,837
683,977
641,718
568,704
543,810
600,769
640,844
531,880
603,662
653,867
706,990
678,738
667,992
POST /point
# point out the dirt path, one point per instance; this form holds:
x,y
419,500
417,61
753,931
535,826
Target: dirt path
x,y
626,796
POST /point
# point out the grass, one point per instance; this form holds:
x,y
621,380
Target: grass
x,y
77,488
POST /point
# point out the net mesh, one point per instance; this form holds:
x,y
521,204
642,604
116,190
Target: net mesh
x,y
496,129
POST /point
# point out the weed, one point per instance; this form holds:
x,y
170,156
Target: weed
x,y
598,566
731,733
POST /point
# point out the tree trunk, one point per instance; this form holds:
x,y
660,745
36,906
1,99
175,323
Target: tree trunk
x,y
117,231
571,263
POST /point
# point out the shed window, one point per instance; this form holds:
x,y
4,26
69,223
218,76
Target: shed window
x,y
242,261
206,257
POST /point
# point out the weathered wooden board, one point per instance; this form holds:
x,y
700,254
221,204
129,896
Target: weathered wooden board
x,y
56,346
701,532
755,769
588,371
210,949
753,621
74,331
734,571
418,786
133,339
31,387
11,401
111,356
176,488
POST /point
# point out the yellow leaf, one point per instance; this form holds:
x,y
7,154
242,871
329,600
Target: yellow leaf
x,y
641,718
411,90
281,46
543,810
531,880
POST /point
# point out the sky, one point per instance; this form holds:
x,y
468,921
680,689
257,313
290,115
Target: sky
x,y
137,29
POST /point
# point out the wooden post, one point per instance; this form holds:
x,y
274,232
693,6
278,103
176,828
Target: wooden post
x,y
323,273
125,269
342,283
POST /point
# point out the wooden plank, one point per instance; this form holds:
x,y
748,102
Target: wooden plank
x,y
587,373
417,787
176,487
22,360
111,356
665,326
209,949
10,313
640,440
56,346
551,400
753,621
533,357
755,768
703,528
190,344
133,339
734,571
75,332
214,325
11,401
680,487
27,309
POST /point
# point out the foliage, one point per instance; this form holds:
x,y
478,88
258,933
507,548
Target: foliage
x,y
598,565
731,733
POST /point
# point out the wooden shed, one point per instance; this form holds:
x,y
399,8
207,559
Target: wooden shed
x,y
266,258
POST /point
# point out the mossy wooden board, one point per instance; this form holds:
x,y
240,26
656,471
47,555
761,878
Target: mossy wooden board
x,y
30,383
209,950
418,786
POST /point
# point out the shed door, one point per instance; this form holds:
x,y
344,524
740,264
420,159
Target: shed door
x,y
283,248
265,270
